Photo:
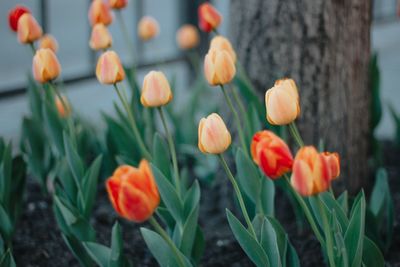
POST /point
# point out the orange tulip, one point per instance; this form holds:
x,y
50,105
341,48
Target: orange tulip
x,y
219,67
45,65
48,41
100,37
333,160
311,172
109,69
63,111
118,4
221,43
187,37
133,192
282,102
148,28
14,15
156,91
214,137
209,17
99,12
271,153
28,29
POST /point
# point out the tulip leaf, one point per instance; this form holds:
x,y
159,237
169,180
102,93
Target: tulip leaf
x,y
372,256
116,256
198,245
7,260
54,127
189,232
248,175
192,198
344,202
99,253
74,161
267,196
333,205
161,156
269,243
89,185
77,248
6,227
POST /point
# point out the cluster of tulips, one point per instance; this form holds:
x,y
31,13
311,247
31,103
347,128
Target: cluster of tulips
x,y
152,190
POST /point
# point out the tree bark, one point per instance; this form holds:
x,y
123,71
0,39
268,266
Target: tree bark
x,y
324,45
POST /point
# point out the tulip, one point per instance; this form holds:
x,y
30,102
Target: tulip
x,y
109,69
29,29
133,192
48,41
187,37
221,43
333,160
282,102
209,17
63,107
311,172
100,37
214,137
99,12
148,28
45,65
156,91
219,67
117,4
271,153
14,15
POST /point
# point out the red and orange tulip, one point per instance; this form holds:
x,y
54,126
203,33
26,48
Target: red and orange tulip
x,y
14,15
333,160
29,29
118,4
99,12
209,17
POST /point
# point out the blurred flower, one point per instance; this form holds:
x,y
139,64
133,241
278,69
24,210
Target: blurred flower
x,y
219,67
311,172
109,69
14,15
133,192
187,37
214,137
64,111
48,41
271,153
282,102
333,160
118,4
221,43
28,29
100,37
209,17
45,65
148,28
99,12
156,91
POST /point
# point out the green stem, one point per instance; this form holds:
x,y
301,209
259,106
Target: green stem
x,y
171,149
194,59
32,46
238,101
328,236
295,133
128,40
238,195
166,237
236,118
132,120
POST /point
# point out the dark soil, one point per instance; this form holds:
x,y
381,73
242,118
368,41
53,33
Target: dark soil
x,y
38,242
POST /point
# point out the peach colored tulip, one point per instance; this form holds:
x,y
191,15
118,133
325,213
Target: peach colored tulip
x,y
333,160
156,91
48,41
118,4
100,38
221,43
45,65
311,172
133,192
148,28
214,137
64,111
28,29
99,12
109,69
282,102
209,17
14,15
187,37
271,153
219,67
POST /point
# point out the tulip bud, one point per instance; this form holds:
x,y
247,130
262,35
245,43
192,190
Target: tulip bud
x,y
100,37
214,137
99,12
48,41
187,37
45,65
311,172
133,192
148,28
221,43
63,111
118,4
28,29
219,67
209,17
109,69
14,15
282,102
156,91
333,160
271,153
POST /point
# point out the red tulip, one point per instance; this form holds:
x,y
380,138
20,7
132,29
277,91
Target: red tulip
x,y
209,17
14,15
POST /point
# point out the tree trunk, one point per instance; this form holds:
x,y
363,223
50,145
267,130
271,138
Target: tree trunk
x,y
325,46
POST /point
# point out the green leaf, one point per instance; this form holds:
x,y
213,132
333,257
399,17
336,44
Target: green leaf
x,y
247,175
198,245
99,253
192,198
161,157
116,257
189,232
247,241
270,244
89,185
6,227
54,127
267,196
74,161
340,252
79,251
372,256
5,176
166,217
7,260
344,202
331,205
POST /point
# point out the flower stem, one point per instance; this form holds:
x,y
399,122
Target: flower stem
x,y
132,120
295,133
238,195
328,236
32,46
128,40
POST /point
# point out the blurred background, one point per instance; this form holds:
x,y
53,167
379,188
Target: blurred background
x,y
68,22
